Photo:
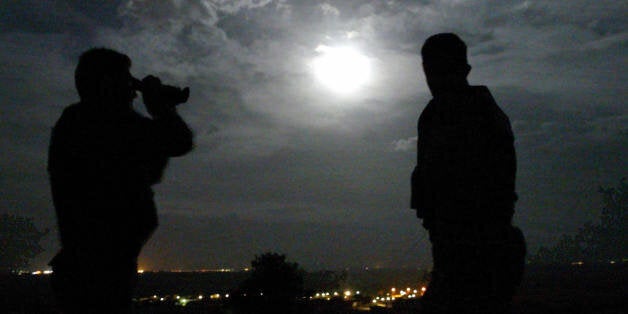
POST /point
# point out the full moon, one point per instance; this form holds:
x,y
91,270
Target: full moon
x,y
342,69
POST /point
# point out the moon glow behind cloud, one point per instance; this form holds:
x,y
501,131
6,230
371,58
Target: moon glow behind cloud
x,y
341,69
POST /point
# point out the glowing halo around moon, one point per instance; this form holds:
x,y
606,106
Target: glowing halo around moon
x,y
341,69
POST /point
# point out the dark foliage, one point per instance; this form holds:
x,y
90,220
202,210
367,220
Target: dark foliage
x,y
19,239
595,243
274,286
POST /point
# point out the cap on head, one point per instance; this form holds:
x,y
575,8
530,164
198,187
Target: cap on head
x,y
94,65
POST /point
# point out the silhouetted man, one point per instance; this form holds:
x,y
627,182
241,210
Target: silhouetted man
x,y
103,159
463,188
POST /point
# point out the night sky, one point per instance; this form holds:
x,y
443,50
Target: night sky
x,y
286,161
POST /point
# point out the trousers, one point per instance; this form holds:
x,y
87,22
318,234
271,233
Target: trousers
x,y
477,267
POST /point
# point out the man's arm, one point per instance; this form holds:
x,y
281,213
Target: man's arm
x,y
150,142
174,136
418,197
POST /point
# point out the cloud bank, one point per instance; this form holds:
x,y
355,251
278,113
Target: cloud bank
x,y
294,160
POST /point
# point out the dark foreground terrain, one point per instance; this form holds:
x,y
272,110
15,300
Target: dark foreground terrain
x,y
601,289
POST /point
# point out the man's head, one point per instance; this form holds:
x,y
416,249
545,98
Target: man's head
x,y
102,76
445,63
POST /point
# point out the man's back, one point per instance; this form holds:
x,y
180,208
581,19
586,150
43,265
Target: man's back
x,y
465,158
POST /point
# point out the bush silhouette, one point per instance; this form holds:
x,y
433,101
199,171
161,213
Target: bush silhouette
x,y
602,242
274,286
19,239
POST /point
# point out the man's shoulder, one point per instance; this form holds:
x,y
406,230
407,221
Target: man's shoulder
x,y
71,109
429,107
85,111
69,115
480,89
491,110
484,102
482,97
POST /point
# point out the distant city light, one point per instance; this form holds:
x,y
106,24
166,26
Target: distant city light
x,y
347,295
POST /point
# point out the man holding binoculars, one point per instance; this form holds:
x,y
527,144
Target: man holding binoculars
x,y
103,159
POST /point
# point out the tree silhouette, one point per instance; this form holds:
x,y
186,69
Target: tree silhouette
x,y
19,239
593,243
274,286
613,228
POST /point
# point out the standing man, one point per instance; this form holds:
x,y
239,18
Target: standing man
x,y
103,159
463,188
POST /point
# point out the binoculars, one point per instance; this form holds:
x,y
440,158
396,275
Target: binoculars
x,y
174,94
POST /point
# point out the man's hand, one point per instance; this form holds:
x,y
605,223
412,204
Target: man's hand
x,y
153,94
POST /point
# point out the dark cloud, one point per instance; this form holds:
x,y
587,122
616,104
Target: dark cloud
x,y
281,162
80,18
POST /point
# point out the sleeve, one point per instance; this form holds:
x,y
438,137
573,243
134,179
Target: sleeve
x,y
154,141
503,161
172,135
418,197
495,191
